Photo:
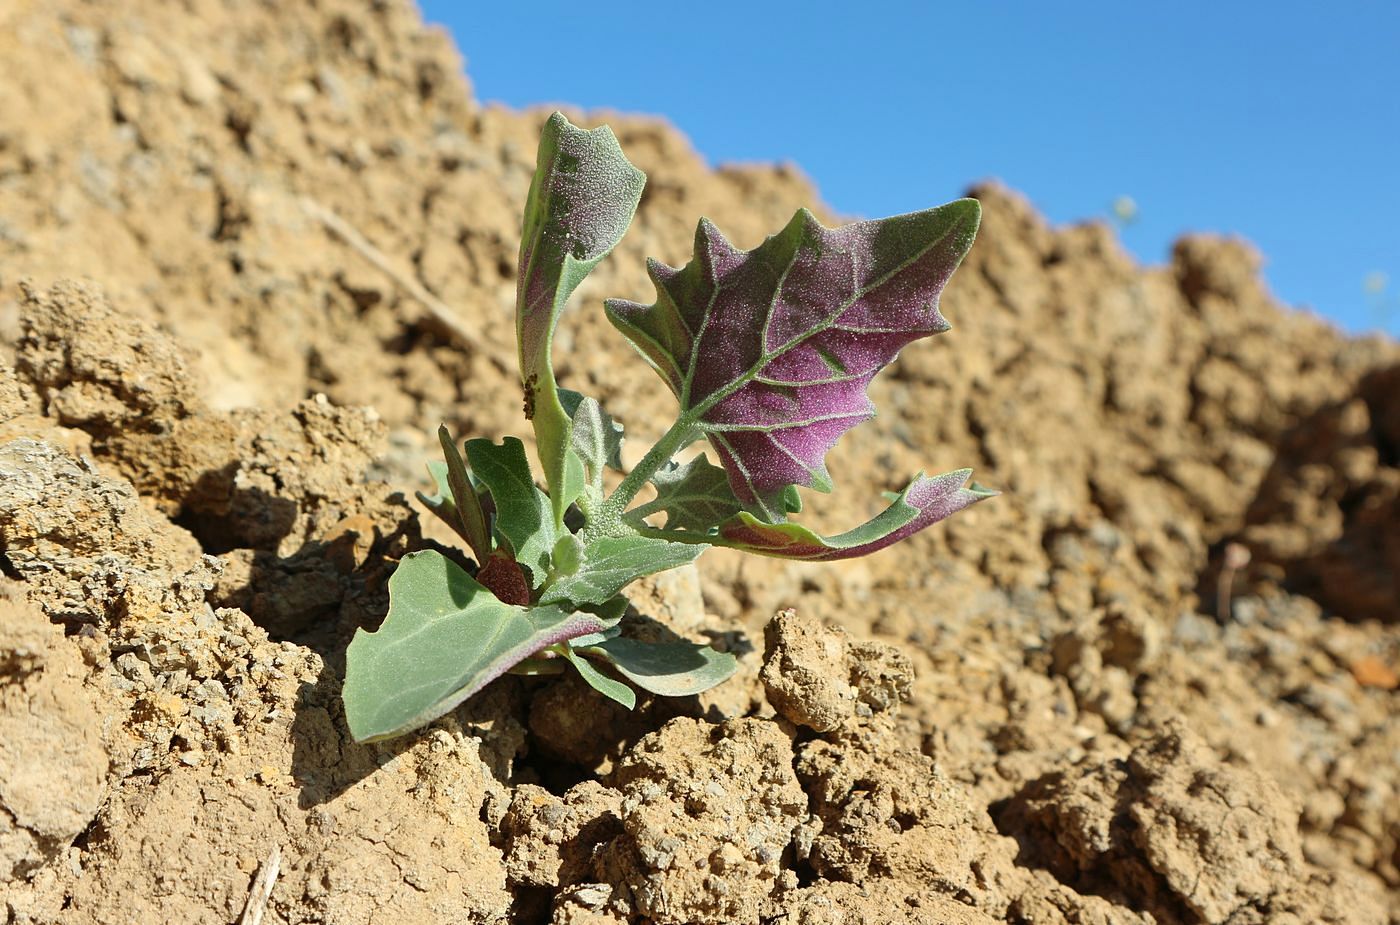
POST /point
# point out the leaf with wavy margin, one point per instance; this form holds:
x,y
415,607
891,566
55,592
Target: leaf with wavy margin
x,y
522,510
595,437
770,351
445,638
694,495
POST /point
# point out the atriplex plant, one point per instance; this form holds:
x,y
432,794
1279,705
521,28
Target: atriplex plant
x,y
768,352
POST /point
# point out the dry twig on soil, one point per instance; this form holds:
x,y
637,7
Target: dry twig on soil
x,y
443,317
261,891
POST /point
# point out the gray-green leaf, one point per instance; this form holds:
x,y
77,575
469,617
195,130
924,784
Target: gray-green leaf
x,y
472,521
608,687
441,503
670,669
445,638
611,563
580,203
522,511
567,557
694,495
597,438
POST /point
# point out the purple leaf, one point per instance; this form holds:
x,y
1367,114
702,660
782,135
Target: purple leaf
x,y
770,351
925,501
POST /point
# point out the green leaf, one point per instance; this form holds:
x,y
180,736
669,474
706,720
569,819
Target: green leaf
x,y
600,682
472,520
540,667
441,504
597,438
522,510
581,200
592,639
694,495
611,563
567,557
610,611
445,638
670,669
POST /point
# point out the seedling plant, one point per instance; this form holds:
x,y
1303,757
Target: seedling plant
x,y
768,353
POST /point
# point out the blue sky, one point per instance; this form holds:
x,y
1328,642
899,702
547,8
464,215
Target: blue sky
x,y
1277,121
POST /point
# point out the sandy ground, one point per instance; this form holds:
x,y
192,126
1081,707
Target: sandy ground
x,y
213,412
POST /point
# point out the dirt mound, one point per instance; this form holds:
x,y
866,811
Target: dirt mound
x,y
298,236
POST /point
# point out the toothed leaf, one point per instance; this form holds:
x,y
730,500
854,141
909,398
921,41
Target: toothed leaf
x,y
923,502
770,351
580,203
522,510
694,495
445,638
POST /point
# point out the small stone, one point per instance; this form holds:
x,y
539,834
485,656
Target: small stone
x,y
1371,671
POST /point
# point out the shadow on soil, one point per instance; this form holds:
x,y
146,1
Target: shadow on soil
x,y
1326,516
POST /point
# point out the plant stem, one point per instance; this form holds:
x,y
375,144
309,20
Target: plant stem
x,y
683,536
642,510
608,516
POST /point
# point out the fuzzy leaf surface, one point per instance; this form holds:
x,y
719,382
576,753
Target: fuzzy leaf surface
x,y
596,437
523,514
670,669
694,495
923,502
466,504
770,351
610,612
611,688
445,638
441,503
611,563
580,203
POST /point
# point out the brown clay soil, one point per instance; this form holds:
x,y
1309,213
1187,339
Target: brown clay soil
x,y
214,409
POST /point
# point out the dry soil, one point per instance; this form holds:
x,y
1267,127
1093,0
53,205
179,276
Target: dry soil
x,y
1059,707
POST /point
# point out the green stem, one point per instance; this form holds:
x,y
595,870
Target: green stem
x,y
532,667
608,516
585,504
641,511
685,536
